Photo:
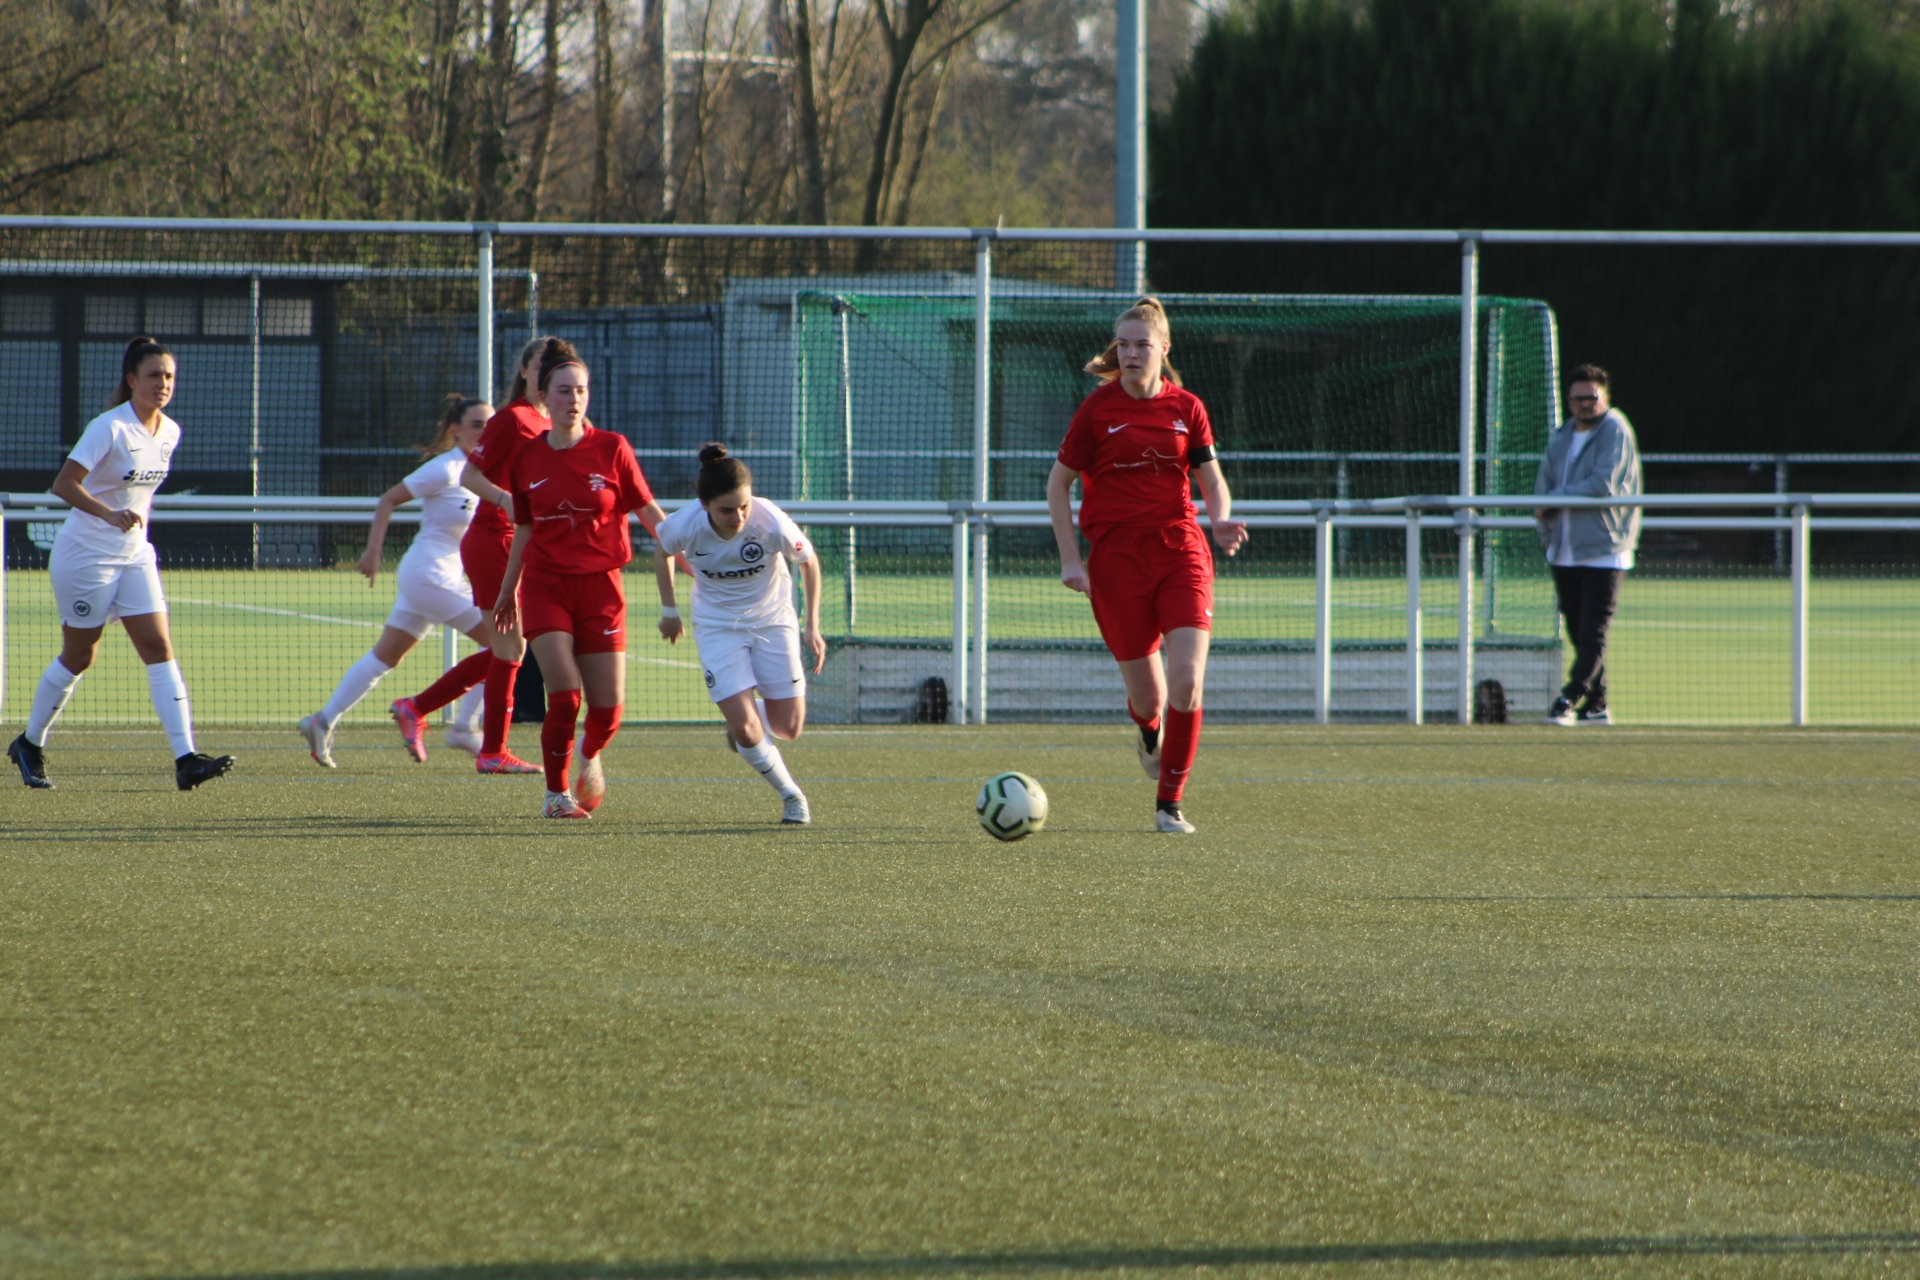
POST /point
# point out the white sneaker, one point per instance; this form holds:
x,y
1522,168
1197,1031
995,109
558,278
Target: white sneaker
x,y
319,740
1171,824
561,804
464,739
591,787
796,813
1149,760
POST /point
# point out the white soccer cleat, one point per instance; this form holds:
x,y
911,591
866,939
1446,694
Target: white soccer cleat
x,y
319,741
561,804
796,813
1149,760
1171,824
591,786
464,739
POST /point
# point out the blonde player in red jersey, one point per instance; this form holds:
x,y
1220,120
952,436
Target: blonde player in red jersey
x,y
1137,445
572,489
737,546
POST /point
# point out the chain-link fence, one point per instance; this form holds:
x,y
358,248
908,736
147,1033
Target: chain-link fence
x,y
849,366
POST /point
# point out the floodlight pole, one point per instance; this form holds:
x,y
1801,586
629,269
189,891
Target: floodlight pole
x,y
1130,145
1469,347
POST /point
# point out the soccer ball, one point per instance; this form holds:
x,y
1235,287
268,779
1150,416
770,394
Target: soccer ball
x,y
1011,806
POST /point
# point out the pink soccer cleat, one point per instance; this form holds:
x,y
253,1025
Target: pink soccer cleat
x,y
561,804
413,729
503,762
591,787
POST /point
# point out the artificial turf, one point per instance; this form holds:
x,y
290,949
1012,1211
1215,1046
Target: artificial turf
x,y
1414,1002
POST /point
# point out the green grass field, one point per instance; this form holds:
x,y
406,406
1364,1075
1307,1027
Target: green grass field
x,y
268,646
1415,1002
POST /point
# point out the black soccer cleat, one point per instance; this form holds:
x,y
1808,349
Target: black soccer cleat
x,y
32,763
196,767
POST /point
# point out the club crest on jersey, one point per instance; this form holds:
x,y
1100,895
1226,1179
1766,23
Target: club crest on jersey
x,y
1180,425
81,608
571,514
752,553
596,481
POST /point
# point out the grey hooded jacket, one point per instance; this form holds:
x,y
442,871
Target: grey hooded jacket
x,y
1608,466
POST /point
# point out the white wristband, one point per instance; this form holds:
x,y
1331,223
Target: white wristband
x,y
668,611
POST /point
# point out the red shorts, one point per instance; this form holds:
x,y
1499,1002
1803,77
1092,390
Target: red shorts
x,y
1145,582
484,557
590,607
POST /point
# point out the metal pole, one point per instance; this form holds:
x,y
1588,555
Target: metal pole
x,y
957,676
1802,555
1130,145
1416,641
253,412
840,309
1469,343
3,610
483,356
1779,538
982,422
533,307
1322,615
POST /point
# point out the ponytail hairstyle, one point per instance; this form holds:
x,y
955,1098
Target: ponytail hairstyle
x,y
555,353
536,347
1106,365
720,475
136,354
453,408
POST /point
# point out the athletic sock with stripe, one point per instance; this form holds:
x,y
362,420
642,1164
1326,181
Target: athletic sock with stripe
x,y
49,700
355,685
1177,751
765,758
169,694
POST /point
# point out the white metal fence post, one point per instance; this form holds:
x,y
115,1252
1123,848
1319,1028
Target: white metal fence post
x,y
982,421
849,578
1416,641
483,356
1130,143
1322,615
1802,562
957,675
3,610
253,409
1469,344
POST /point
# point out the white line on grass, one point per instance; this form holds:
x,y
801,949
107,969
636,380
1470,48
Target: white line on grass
x,y
280,613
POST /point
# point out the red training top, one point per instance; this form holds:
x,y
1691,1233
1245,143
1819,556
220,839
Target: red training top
x,y
1134,456
506,431
577,501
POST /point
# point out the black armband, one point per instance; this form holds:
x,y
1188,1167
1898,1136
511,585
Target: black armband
x,y
1199,454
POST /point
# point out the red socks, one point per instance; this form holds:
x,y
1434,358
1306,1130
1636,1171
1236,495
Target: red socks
x,y
602,724
1177,750
457,679
498,712
556,735
1148,728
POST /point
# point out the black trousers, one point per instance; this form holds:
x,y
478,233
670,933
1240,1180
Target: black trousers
x,y
1587,601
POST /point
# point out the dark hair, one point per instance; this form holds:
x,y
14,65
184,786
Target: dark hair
x,y
1588,373
1106,365
558,352
135,355
453,408
720,475
534,347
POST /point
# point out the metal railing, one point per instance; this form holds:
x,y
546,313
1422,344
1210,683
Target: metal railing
x,y
971,523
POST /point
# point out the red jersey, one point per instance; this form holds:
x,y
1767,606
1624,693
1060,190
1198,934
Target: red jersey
x,y
1135,456
577,501
506,431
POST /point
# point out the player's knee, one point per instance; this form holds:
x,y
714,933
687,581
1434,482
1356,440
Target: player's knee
x,y
76,660
1184,695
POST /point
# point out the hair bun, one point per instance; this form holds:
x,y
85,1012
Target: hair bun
x,y
1150,301
712,453
144,340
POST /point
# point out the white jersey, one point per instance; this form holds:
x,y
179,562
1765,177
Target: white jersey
x,y
125,463
740,582
446,508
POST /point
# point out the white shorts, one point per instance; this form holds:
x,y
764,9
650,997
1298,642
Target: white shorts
x,y
91,594
767,658
432,591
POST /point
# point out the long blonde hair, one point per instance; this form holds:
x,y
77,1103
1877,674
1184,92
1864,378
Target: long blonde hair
x,y
1106,365
453,410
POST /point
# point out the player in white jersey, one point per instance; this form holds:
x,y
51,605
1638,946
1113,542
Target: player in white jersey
x,y
104,568
737,547
432,587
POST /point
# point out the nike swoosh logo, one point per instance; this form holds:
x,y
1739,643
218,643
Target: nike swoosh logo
x,y
537,483
614,632
1122,427
700,553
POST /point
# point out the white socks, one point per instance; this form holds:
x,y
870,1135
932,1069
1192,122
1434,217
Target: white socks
x,y
355,685
49,700
466,712
169,693
765,758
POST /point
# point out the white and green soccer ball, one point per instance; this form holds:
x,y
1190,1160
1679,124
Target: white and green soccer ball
x,y
1011,806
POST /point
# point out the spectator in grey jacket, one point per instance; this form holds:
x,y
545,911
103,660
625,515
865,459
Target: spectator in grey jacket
x,y
1591,455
